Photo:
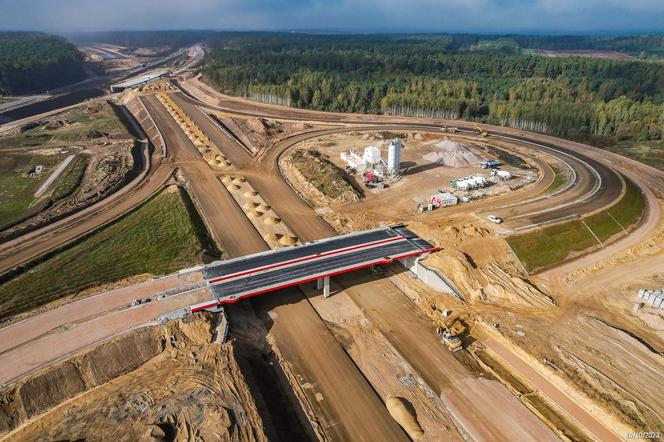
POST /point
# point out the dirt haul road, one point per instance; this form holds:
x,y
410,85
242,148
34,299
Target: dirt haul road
x,y
471,400
343,400
33,327
651,176
76,336
61,232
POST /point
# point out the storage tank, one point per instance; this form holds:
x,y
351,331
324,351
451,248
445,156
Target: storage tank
x,y
394,156
372,155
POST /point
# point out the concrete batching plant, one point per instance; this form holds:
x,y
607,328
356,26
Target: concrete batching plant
x,y
371,159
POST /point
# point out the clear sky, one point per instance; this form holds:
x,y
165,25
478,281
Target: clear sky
x,y
483,16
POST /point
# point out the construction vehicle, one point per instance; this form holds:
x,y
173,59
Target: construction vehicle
x,y
453,343
448,129
371,177
481,132
373,181
450,326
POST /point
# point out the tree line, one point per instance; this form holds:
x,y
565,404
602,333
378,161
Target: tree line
x,y
35,62
448,75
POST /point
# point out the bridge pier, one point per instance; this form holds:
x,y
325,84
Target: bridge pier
x,y
326,287
324,284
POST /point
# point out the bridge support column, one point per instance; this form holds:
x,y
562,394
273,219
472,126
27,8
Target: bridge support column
x,y
326,287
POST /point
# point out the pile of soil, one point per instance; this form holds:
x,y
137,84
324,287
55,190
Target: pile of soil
x,y
482,267
163,383
449,153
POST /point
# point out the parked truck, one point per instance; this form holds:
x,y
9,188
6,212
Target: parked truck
x,y
489,164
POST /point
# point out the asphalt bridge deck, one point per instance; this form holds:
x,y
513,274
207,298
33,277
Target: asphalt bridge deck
x,y
252,275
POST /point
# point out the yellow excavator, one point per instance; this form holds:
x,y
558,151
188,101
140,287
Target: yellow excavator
x,y
481,132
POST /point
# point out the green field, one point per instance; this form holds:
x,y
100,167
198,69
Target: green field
x,y
551,245
17,188
162,236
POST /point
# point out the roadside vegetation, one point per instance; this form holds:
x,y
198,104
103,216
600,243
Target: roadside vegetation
x,y
544,247
325,176
71,180
558,180
162,236
93,127
34,62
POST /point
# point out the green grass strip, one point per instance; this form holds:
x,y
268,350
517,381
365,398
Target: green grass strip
x,y
160,237
544,247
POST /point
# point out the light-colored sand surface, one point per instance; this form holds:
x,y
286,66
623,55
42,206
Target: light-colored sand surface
x,y
33,327
71,338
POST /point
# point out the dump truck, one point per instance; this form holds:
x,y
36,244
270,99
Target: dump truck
x,y
452,342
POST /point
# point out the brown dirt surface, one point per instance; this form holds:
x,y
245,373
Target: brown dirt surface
x,y
167,382
541,330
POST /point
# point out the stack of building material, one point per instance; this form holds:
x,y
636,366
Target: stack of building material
x,y
652,297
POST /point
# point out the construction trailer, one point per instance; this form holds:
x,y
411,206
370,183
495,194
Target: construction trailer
x,y
444,199
469,183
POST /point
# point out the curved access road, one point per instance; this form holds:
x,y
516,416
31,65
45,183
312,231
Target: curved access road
x,y
596,185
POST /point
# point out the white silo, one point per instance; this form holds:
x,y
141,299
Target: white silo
x,y
394,156
372,155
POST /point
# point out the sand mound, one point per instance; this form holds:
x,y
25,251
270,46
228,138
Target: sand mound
x,y
288,240
449,153
233,188
272,220
271,237
264,207
250,193
226,179
250,205
404,413
239,180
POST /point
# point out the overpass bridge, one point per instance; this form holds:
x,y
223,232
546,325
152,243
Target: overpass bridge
x,y
247,276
